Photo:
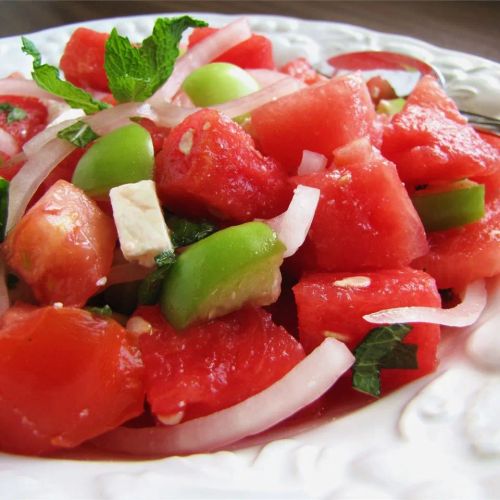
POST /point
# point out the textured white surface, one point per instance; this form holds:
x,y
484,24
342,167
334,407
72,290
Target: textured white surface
x,y
437,438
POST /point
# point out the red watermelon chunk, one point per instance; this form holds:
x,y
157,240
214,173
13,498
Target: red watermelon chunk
x,y
364,218
83,59
209,167
254,53
333,305
430,95
464,254
319,118
427,147
215,365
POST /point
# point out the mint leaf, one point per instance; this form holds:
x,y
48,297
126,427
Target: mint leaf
x,y
150,287
48,78
379,349
4,206
79,134
105,311
135,73
14,114
185,232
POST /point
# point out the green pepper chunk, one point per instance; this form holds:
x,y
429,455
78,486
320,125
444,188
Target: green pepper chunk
x,y
123,156
234,267
391,106
216,83
454,205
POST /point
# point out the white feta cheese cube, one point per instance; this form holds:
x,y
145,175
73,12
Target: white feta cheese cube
x,y
139,220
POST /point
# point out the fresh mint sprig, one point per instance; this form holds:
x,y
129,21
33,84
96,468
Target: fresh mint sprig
x,y
14,114
48,78
136,72
79,134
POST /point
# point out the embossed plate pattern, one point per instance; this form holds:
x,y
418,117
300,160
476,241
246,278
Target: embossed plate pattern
x,y
437,438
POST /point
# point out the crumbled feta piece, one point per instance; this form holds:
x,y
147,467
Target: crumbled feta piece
x,y
354,282
139,220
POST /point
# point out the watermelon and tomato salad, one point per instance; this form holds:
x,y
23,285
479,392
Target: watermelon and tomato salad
x,y
197,250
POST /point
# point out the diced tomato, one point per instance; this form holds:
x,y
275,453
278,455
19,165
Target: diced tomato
x,y
328,305
215,365
302,69
65,376
9,167
62,246
209,167
379,89
429,94
254,53
364,218
157,133
83,59
428,147
24,129
491,182
318,118
464,254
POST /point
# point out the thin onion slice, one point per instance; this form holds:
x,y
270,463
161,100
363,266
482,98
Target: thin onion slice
x,y
202,53
293,225
280,88
169,115
311,163
4,292
8,144
265,77
21,87
464,314
302,385
102,123
24,185
125,273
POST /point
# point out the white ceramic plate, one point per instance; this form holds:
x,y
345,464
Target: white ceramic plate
x,y
437,438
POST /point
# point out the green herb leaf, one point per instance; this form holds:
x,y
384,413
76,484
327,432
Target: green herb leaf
x,y
380,347
105,311
4,206
47,77
403,356
135,73
14,114
150,287
185,232
166,258
79,134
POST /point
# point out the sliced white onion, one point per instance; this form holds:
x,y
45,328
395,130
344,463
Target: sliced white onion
x,y
311,162
265,77
4,292
293,225
125,273
8,144
41,139
274,91
110,119
302,385
24,185
464,314
169,115
21,87
202,53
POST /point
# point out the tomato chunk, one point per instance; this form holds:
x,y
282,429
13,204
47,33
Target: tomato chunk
x,y
302,69
215,365
65,376
334,304
25,128
209,167
83,59
254,53
62,246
